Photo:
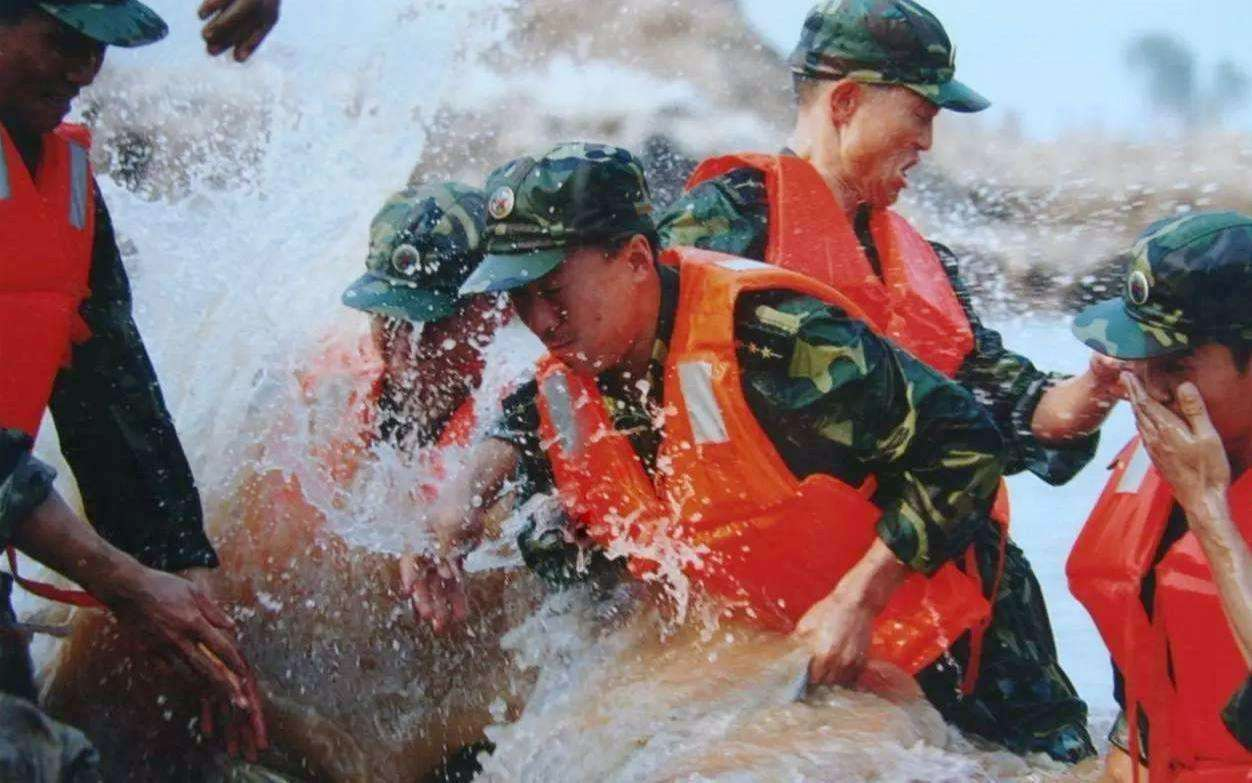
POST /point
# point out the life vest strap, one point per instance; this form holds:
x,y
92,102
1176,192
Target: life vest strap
x,y
61,595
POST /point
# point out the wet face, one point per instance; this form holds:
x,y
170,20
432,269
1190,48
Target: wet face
x,y
452,345
43,65
1225,389
591,312
882,136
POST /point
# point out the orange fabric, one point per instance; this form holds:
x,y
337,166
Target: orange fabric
x,y
43,278
809,233
772,544
1182,665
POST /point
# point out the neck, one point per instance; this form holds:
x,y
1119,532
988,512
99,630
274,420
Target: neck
x,y
29,144
639,354
817,142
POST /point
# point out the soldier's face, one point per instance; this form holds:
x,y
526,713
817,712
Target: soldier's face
x,y
883,139
1225,388
588,312
43,65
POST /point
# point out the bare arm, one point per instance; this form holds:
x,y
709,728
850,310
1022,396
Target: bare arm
x,y
837,629
164,610
1076,407
432,580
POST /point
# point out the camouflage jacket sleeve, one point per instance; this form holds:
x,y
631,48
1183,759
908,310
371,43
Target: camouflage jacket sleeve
x,y
25,482
728,214
837,399
1238,715
1009,386
116,433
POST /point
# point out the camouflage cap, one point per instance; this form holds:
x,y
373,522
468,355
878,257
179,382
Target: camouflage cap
x,y
575,194
883,42
1189,280
424,243
126,23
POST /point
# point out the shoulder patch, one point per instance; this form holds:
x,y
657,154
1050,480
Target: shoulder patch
x,y
788,323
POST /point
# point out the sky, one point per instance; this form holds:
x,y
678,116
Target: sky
x,y
1061,64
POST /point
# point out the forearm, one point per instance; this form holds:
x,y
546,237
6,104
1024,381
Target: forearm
x,y
1072,409
458,516
874,578
1230,561
55,536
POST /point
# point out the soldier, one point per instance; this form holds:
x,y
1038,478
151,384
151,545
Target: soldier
x,y
424,243
870,76
793,404
69,343
1163,563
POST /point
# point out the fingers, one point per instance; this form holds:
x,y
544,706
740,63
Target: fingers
x,y
210,7
206,716
230,684
244,50
212,612
256,718
1193,408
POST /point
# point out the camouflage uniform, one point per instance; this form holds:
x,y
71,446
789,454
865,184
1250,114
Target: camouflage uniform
x,y
1188,282
1023,700
832,396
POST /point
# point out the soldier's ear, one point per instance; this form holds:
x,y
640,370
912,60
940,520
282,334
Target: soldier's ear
x,y
638,254
844,99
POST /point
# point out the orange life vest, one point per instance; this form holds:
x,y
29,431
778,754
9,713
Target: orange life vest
x,y
770,543
1182,664
810,234
47,225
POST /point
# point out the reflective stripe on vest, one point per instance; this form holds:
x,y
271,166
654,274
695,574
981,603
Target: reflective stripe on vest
x,y
79,184
1182,664
725,508
47,227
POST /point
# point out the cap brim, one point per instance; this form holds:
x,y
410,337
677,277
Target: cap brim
x,y
951,95
1106,327
372,293
514,270
126,23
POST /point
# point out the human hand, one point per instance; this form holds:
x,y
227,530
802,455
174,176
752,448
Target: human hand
x,y
241,24
175,617
1186,450
436,588
837,632
1106,375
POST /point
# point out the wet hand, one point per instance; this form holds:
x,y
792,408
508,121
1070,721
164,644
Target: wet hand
x,y
1106,372
436,588
175,617
241,24
1186,449
837,632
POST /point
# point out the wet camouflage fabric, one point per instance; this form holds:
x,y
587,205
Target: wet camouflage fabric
x,y
730,214
1188,279
36,749
576,193
1024,701
883,42
25,482
424,243
126,23
835,399
116,433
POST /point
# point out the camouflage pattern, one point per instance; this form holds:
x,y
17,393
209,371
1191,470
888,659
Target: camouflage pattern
x,y
576,193
424,243
835,399
1027,703
127,23
1188,280
883,42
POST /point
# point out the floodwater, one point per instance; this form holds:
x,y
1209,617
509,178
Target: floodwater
x,y
239,246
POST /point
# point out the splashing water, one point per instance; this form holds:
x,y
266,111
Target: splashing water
x,y
242,196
